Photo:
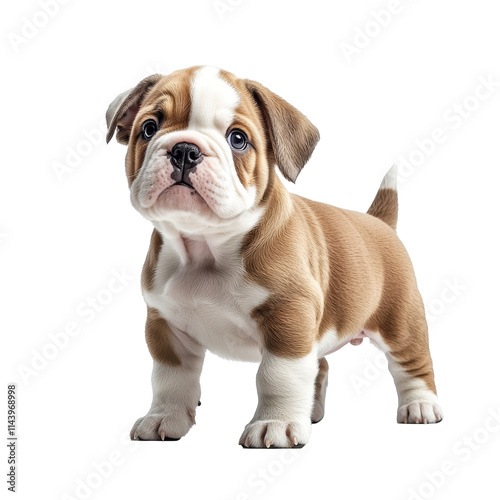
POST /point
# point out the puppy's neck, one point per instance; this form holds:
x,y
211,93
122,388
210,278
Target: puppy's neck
x,y
213,244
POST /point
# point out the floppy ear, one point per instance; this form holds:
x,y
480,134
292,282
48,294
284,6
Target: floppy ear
x,y
293,137
123,110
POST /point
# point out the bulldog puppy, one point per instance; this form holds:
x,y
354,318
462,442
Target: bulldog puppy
x,y
241,267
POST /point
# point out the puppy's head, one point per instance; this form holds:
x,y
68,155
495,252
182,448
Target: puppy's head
x,y
202,145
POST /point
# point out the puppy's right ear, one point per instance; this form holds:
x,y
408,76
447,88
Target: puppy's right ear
x,y
123,110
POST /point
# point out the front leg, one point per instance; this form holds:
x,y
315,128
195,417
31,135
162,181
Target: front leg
x,y
178,360
286,393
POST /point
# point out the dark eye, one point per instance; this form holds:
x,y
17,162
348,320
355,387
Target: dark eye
x,y
149,128
237,139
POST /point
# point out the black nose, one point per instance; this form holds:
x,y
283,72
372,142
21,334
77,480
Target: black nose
x,y
185,156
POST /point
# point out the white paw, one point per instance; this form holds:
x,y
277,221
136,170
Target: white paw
x,y
276,433
168,425
420,412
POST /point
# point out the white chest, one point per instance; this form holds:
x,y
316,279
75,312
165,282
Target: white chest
x,y
210,302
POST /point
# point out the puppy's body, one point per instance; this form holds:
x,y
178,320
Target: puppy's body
x,y
241,267
207,296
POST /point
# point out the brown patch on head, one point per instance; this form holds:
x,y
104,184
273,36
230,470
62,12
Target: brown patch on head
x,y
159,339
169,103
166,99
253,166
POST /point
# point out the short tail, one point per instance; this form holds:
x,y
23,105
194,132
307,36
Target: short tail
x,y
385,204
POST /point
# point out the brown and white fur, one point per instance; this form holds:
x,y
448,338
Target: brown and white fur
x,y
241,267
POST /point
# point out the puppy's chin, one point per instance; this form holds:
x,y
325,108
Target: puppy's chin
x,y
178,198
181,206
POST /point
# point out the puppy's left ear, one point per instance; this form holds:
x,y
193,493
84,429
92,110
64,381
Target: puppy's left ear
x,y
293,137
123,110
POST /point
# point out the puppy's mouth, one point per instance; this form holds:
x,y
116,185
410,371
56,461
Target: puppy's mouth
x,y
183,183
179,191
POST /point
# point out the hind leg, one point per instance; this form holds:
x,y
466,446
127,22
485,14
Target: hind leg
x,y
418,402
407,350
320,386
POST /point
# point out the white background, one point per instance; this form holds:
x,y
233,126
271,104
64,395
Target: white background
x,y
63,236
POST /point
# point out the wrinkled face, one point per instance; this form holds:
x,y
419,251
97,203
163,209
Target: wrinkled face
x,y
197,149
202,145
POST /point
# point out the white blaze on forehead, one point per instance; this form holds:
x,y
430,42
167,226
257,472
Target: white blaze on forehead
x,y
213,100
